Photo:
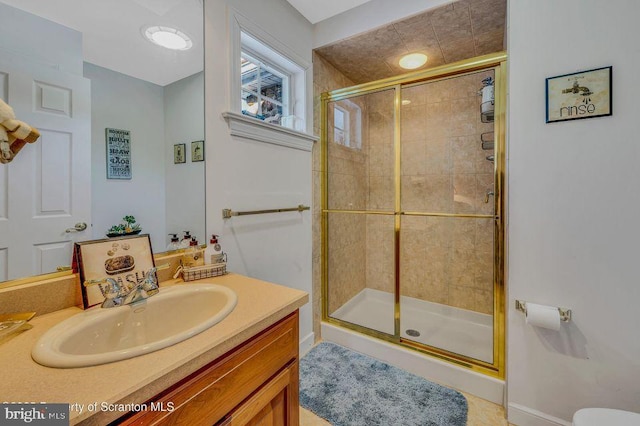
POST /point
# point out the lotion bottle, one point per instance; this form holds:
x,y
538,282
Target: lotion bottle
x,y
213,252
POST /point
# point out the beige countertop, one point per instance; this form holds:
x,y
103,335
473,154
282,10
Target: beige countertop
x,y
260,304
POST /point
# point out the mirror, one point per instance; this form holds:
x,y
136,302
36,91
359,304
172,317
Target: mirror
x,y
80,71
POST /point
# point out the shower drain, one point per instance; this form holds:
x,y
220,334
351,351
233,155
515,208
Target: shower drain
x,y
413,333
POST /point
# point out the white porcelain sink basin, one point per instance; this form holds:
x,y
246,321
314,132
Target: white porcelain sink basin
x,y
98,335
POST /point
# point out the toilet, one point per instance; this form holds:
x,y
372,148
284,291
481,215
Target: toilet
x,y
605,417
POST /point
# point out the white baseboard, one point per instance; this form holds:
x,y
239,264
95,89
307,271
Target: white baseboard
x,y
430,368
306,343
524,416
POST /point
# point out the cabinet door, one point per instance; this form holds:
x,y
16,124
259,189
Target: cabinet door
x,y
275,404
234,380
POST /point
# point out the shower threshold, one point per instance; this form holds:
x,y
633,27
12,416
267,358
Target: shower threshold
x,y
453,329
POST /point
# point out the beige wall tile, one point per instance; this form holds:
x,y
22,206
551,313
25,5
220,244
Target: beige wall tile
x,y
381,193
381,160
438,156
413,156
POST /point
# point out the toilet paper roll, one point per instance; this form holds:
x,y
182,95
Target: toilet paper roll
x,y
543,316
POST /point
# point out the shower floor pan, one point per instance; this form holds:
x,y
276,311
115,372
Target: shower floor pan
x,y
453,329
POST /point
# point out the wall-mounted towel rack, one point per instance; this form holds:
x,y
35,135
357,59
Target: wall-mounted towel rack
x,y
228,213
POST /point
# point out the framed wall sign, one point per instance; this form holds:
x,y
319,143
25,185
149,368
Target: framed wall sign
x,y
197,151
179,155
125,259
584,94
118,154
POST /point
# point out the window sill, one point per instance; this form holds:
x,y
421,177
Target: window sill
x,y
257,130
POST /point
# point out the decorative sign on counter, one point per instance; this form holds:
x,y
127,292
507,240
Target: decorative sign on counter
x,y
118,154
584,94
125,259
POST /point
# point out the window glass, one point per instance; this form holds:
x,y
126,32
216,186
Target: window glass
x,y
263,90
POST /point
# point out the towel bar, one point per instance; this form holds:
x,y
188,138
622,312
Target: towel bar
x,y
228,213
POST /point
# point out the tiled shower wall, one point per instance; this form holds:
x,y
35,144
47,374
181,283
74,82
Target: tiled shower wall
x,y
325,78
444,170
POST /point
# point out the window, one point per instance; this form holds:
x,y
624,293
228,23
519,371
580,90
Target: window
x,y
341,126
347,124
269,81
272,87
265,90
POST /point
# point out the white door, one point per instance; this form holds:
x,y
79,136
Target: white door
x,y
46,189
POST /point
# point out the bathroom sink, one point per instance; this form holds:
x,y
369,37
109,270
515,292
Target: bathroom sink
x,y
99,335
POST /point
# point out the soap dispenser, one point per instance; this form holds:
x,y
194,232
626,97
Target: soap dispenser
x,y
193,254
186,240
174,244
213,253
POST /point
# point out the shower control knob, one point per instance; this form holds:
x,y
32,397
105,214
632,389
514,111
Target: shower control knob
x,y
487,195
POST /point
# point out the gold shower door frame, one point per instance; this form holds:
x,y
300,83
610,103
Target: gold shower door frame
x,y
497,62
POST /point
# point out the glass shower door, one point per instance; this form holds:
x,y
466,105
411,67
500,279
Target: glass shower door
x,y
447,217
359,218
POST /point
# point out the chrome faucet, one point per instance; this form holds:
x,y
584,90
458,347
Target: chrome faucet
x,y
116,294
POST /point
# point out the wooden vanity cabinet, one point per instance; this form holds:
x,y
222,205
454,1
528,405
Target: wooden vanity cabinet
x,y
254,384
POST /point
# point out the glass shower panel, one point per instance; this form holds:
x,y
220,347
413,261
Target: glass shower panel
x,y
446,284
446,166
361,271
446,239
360,157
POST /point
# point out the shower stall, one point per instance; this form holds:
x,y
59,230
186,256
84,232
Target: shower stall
x,y
412,222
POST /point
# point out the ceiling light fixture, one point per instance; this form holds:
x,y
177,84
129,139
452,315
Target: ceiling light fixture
x,y
413,61
168,37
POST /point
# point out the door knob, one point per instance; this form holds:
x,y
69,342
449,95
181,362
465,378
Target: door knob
x,y
77,228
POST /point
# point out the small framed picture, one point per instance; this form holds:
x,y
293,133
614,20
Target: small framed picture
x,y
197,151
584,94
125,259
179,154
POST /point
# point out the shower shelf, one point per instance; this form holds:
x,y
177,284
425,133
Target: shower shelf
x,y
487,116
487,140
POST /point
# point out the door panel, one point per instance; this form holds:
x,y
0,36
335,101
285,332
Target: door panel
x,y
46,189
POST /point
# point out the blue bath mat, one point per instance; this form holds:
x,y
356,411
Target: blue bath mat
x,y
350,389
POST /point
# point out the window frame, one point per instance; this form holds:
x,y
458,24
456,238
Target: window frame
x,y
244,36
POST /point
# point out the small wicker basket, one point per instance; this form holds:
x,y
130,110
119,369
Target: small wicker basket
x,y
204,271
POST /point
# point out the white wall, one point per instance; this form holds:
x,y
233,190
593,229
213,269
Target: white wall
x,y
574,211
122,102
184,123
370,15
248,175
23,34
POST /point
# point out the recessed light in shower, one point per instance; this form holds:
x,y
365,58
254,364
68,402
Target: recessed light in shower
x,y
413,61
168,37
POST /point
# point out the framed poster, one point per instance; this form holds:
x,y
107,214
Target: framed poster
x,y
197,151
118,153
125,259
179,155
584,94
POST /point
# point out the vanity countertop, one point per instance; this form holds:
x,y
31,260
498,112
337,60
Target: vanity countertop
x,y
135,380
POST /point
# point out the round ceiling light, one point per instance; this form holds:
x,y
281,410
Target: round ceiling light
x,y
168,37
413,61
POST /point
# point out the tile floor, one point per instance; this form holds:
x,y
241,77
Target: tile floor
x,y
481,413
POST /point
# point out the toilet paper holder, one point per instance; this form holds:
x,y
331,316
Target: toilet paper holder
x,y
565,314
